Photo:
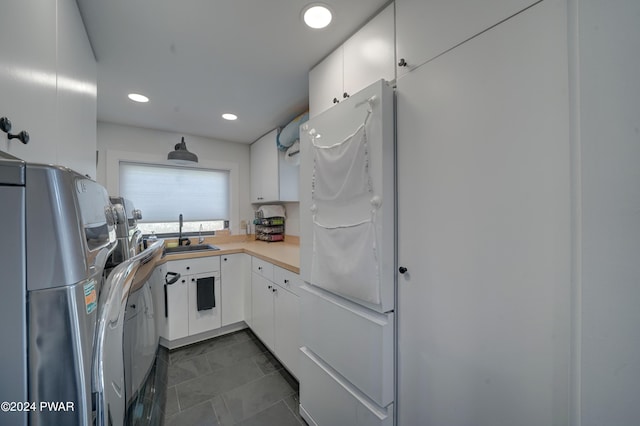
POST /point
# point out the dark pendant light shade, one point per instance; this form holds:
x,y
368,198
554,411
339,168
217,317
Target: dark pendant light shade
x,y
181,154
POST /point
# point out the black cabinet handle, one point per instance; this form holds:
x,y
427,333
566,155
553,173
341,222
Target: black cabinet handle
x,y
286,281
184,281
166,303
402,63
171,278
402,269
193,279
5,124
225,259
269,286
23,136
275,290
345,95
335,100
188,267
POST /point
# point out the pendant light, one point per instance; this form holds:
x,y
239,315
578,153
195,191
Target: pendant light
x,y
181,155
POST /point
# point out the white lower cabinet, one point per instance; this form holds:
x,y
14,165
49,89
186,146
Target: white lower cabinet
x,y
235,271
275,312
205,318
262,309
182,316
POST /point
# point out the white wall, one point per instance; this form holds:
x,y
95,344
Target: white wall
x,y
607,231
293,219
135,143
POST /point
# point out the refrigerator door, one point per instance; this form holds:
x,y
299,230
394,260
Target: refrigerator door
x,y
347,205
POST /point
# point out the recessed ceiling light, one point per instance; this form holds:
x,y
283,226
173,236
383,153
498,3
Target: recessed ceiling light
x,y
316,15
229,116
136,97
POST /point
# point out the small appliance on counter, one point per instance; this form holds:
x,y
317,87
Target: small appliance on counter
x,y
269,223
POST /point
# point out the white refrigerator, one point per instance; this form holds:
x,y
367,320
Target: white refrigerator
x,y
348,258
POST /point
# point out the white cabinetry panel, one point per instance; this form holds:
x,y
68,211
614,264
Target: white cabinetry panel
x,y
234,272
48,84
184,319
206,319
264,169
77,93
275,311
484,228
366,57
177,321
425,29
356,342
262,309
28,77
272,178
322,387
286,328
369,54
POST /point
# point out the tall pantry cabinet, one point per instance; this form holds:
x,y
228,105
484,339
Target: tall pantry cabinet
x,y
518,200
484,219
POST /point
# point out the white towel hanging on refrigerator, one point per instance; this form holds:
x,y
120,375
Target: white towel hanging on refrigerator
x,y
344,256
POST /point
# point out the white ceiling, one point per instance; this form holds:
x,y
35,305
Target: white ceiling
x,y
197,59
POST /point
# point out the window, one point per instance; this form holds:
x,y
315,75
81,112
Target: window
x,y
163,192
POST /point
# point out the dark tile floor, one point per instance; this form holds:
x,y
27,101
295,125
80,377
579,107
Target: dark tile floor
x,y
229,380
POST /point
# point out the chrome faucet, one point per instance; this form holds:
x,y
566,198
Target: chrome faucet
x,y
200,237
180,239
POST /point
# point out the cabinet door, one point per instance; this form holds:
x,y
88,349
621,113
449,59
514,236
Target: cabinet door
x,y
28,78
262,309
425,29
206,319
158,293
264,169
76,110
369,54
483,228
235,272
286,332
177,321
326,83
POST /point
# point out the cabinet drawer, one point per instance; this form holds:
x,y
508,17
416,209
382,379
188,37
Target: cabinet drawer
x,y
194,266
355,341
262,268
322,387
287,279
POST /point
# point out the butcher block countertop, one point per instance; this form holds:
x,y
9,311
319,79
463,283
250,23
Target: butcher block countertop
x,y
285,254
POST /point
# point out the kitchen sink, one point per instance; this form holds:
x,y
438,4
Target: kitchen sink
x,y
187,249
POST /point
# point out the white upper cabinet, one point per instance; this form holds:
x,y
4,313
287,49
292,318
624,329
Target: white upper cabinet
x,y
364,58
425,29
48,84
326,83
28,77
272,178
77,92
369,53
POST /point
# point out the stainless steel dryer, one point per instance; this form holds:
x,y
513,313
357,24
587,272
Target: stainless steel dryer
x,y
58,230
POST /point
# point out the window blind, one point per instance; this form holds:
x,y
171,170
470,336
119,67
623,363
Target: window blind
x,y
163,192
